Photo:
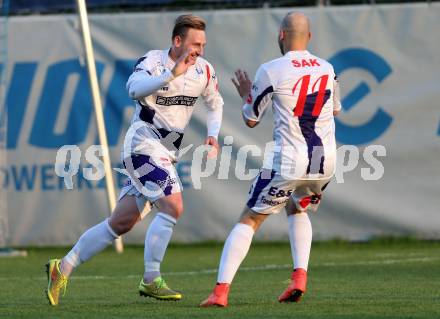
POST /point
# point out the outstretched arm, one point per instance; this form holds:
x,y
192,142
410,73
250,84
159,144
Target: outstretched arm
x,y
243,85
256,96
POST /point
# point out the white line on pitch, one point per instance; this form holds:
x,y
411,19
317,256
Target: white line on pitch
x,y
255,268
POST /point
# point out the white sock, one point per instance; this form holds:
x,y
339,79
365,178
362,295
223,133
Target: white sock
x,y
236,248
300,236
93,241
156,242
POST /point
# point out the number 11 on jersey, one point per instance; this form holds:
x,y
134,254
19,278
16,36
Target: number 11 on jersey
x,y
305,100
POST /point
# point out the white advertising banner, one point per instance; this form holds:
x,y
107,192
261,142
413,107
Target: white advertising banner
x,y
388,179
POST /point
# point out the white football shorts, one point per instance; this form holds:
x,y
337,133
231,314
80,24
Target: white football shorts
x,y
150,177
270,192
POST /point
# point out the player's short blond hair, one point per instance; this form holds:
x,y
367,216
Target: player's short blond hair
x,y
185,22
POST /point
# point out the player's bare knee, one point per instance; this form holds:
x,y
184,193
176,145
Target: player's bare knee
x,y
251,218
171,205
172,208
175,210
294,211
123,223
122,228
119,227
291,208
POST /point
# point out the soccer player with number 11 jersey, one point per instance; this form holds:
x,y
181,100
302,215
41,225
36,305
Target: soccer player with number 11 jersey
x,y
303,90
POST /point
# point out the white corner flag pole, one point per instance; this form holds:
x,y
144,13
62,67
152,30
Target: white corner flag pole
x,y
93,79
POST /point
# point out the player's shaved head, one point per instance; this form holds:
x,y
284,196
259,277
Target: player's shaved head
x,y
294,31
296,24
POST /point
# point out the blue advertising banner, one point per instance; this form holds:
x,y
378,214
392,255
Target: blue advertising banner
x,y
389,75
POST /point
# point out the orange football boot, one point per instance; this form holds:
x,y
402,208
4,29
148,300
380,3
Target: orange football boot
x,y
296,288
218,297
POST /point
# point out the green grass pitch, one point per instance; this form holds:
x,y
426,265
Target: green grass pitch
x,y
380,279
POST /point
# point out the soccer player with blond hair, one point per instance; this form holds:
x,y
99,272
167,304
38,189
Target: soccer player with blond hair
x,y
165,85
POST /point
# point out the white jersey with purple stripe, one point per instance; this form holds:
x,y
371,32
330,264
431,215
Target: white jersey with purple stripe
x,y
164,105
169,109
304,93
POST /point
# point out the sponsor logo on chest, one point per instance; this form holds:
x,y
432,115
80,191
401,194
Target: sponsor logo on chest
x,y
176,100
